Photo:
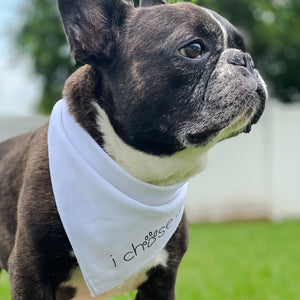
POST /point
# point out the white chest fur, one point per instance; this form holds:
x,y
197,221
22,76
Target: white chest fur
x,y
82,292
166,170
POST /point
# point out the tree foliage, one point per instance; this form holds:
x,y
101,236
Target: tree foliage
x,y
42,37
271,27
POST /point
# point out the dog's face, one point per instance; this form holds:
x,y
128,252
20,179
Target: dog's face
x,y
179,75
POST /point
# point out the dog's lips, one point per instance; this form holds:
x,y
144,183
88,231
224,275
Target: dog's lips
x,y
241,123
247,129
256,114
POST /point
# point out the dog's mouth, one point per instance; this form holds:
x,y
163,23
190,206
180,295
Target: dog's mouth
x,y
242,123
212,136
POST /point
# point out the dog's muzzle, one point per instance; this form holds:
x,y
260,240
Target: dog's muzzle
x,y
234,101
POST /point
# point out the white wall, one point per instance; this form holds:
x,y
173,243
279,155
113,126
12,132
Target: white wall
x,y
254,175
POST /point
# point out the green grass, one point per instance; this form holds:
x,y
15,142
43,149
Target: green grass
x,y
235,261
4,286
242,261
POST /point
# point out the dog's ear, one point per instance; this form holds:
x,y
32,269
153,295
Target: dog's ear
x,y
92,28
145,3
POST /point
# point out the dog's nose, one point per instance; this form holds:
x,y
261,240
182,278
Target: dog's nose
x,y
241,59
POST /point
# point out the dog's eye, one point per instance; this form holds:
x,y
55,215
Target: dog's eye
x,y
193,50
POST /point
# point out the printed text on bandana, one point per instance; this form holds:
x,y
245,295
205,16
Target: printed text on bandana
x,y
150,239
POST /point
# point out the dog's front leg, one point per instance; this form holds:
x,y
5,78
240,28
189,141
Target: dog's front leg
x,y
161,279
26,280
159,286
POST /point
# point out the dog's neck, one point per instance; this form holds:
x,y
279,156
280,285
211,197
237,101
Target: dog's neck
x,y
82,94
159,170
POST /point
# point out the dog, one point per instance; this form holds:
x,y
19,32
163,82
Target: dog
x,y
161,84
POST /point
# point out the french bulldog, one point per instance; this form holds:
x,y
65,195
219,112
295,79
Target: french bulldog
x,y
161,84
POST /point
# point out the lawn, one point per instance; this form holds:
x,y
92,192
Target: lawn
x,y
235,261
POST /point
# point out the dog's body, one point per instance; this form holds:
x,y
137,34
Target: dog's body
x,y
161,86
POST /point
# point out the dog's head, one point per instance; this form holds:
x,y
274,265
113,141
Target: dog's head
x,y
179,75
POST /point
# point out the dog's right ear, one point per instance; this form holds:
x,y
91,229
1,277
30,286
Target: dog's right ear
x,y
92,26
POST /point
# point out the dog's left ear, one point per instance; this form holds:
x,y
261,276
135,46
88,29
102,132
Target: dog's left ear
x,y
145,3
92,28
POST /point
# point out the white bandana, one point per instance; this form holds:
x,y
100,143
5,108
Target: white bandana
x,y
116,223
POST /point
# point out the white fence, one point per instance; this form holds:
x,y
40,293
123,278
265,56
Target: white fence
x,y
12,126
254,175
